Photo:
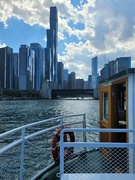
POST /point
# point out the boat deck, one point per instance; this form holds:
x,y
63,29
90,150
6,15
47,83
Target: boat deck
x,y
90,164
26,151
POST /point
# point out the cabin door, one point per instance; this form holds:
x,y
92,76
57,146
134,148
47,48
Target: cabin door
x,y
108,112
113,110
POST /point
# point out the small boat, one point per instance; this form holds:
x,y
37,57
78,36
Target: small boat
x,y
64,148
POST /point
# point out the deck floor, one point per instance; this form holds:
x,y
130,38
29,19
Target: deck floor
x,y
91,164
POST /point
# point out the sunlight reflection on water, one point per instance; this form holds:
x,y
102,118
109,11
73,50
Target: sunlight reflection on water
x,y
16,113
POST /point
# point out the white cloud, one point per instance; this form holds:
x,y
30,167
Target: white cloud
x,y
109,28
2,45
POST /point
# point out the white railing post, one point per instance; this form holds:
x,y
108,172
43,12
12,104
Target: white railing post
x,y
22,154
61,154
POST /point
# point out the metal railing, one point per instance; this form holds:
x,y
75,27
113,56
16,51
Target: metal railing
x,y
27,149
97,160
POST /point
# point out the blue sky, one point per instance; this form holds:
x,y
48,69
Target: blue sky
x,y
87,28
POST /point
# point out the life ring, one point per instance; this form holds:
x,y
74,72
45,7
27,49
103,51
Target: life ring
x,y
68,136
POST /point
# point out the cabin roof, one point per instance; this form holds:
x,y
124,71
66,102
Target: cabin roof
x,y
120,74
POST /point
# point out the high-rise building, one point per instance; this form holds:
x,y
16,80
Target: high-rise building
x,y
112,67
89,81
115,66
60,75
71,80
36,47
52,46
48,60
79,83
15,70
6,67
54,35
122,63
65,78
26,68
105,73
94,71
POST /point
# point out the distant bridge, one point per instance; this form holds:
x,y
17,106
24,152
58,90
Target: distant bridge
x,y
56,93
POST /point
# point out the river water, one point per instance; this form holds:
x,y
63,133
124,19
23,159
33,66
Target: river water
x,y
20,112
17,113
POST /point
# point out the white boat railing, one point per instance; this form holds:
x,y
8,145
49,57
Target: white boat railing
x,y
10,142
108,160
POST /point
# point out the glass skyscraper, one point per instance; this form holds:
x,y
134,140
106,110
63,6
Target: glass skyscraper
x,y
60,75
26,68
65,78
122,63
52,46
36,47
94,71
6,67
15,70
72,80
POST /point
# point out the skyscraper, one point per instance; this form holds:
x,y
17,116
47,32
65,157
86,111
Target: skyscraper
x,y
54,33
52,46
60,75
36,47
72,80
26,68
122,63
79,83
15,70
65,78
89,81
94,71
6,69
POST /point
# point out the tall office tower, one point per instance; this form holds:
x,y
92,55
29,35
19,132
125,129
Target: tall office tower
x,y
52,43
65,78
49,55
60,75
44,64
36,47
94,71
112,68
79,83
15,70
47,64
122,63
26,68
89,81
106,72
71,80
6,67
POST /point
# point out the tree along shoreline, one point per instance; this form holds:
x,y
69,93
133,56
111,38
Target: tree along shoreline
x,y
14,94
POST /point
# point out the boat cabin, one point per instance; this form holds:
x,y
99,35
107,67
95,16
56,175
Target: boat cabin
x,y
117,105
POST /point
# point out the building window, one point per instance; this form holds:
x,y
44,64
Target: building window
x,y
105,106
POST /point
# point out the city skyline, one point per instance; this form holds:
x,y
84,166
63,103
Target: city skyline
x,y
86,29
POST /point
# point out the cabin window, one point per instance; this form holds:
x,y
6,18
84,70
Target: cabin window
x,y
105,106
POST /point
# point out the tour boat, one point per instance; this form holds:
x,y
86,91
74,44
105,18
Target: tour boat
x,y
65,148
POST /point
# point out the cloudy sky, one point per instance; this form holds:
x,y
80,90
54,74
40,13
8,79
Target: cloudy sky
x,y
87,28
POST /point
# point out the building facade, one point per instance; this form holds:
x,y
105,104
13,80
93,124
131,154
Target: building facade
x,y
60,75
52,47
15,70
6,67
79,83
122,63
89,82
36,47
65,78
72,80
115,66
26,68
94,71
